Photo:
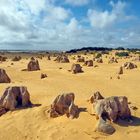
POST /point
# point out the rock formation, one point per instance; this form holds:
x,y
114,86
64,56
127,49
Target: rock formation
x,y
76,68
4,78
95,97
80,59
14,97
120,70
48,57
129,65
2,58
16,58
99,60
111,108
33,65
88,63
62,59
112,60
64,104
136,59
43,75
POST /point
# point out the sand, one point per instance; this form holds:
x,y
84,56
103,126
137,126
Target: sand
x,y
34,124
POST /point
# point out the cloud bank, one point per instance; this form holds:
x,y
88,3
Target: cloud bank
x,y
49,24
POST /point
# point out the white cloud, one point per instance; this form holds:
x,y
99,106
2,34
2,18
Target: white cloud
x,y
102,19
32,24
35,6
77,2
73,25
57,13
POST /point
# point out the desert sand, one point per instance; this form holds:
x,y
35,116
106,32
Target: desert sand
x,y
34,124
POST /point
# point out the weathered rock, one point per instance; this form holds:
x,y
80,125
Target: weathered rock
x,y
57,59
110,108
104,127
95,97
2,58
48,57
32,58
4,78
43,75
33,65
64,104
136,59
88,63
2,110
76,68
112,60
14,97
16,58
81,59
118,77
99,60
39,57
120,70
113,107
62,59
129,65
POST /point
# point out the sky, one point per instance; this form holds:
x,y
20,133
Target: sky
x,y
69,24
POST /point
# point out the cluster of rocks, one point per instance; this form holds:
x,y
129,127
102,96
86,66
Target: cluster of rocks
x,y
111,108
112,60
129,65
62,59
99,60
2,58
88,63
40,56
16,58
80,59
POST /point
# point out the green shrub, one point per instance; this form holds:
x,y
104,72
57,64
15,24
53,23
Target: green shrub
x,y
98,55
122,54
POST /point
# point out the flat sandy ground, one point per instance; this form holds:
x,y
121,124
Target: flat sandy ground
x,y
33,123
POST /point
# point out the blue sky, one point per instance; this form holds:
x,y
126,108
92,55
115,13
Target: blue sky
x,y
68,24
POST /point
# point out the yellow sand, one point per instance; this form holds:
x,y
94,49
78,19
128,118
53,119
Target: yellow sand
x,y
33,124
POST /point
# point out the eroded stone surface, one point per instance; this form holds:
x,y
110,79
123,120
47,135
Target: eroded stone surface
x,y
4,78
76,68
33,65
14,97
64,104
